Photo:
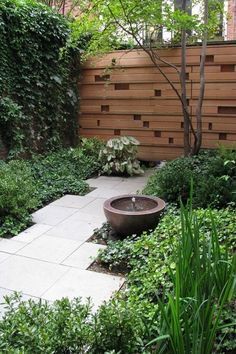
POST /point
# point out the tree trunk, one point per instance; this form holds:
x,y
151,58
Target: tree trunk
x,y
198,143
186,115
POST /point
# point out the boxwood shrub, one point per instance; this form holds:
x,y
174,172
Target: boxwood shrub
x,y
213,175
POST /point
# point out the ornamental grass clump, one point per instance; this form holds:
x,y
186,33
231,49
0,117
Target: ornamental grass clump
x,y
203,283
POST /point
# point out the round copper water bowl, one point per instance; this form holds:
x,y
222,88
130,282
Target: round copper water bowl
x,y
128,218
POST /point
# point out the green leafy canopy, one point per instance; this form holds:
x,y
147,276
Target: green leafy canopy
x,y
115,24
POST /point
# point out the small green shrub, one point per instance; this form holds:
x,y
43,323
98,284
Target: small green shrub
x,y
38,327
119,156
92,146
69,327
118,329
213,177
17,189
173,181
18,195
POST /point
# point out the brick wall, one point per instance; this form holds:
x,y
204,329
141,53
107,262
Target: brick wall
x,y
231,22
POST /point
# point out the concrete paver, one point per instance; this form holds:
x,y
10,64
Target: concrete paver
x,y
32,233
47,248
100,182
74,229
52,214
103,192
95,207
73,201
31,276
85,284
3,256
84,255
10,246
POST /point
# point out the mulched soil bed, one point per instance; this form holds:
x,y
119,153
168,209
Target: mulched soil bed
x,y
102,268
102,236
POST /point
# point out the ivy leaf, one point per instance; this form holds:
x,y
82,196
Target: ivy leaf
x,y
57,79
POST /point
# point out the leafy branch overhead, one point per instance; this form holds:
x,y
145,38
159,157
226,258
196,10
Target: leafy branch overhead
x,y
116,23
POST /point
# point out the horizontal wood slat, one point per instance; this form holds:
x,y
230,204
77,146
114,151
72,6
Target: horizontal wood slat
x,y
133,98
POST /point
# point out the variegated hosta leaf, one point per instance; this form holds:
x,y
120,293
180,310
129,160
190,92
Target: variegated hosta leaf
x,y
119,156
133,140
110,143
125,140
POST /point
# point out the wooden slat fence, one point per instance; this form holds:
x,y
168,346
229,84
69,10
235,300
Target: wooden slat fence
x,y
122,93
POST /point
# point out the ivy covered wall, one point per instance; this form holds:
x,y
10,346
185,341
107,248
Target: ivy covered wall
x,y
38,74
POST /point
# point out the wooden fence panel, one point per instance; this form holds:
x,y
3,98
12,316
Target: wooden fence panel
x,y
122,93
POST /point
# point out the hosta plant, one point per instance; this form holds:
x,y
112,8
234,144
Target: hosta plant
x,y
119,156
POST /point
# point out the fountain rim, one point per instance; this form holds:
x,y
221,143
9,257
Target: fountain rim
x,y
160,205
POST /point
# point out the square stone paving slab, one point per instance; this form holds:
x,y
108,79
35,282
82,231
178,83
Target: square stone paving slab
x,y
103,192
108,178
3,256
73,201
130,187
52,214
101,182
95,207
84,255
81,215
30,276
32,233
51,249
10,246
85,284
74,229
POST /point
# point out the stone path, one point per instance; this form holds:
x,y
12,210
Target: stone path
x,y
50,259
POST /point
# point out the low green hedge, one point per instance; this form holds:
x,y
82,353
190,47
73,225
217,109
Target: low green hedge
x,y
18,196
27,185
213,175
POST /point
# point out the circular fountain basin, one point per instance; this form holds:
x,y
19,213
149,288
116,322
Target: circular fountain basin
x,y
133,214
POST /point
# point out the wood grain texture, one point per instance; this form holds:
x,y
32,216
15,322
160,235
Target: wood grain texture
x,y
133,98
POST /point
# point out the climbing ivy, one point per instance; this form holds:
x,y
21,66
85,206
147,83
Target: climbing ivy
x,y
38,74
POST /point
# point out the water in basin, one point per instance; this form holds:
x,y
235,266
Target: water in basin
x,y
134,204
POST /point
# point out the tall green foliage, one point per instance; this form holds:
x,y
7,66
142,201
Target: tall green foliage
x,y
203,283
38,94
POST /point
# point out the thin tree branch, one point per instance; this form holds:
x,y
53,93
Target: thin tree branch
x,y
131,26
154,58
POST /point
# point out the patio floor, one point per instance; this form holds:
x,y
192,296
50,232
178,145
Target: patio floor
x,y
50,259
